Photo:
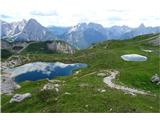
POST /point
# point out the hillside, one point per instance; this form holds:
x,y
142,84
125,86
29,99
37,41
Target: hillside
x,y
49,47
85,91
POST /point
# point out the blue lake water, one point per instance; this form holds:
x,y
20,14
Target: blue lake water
x,y
39,70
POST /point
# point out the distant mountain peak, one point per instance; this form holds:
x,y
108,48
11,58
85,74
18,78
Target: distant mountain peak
x,y
141,25
33,21
81,35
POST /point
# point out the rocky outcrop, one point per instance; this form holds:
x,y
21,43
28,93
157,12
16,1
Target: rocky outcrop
x,y
155,42
5,44
20,97
8,85
51,86
155,79
101,74
59,46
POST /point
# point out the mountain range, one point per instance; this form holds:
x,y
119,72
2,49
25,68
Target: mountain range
x,y
80,36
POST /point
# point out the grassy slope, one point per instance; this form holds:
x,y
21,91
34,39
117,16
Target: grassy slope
x,y
104,55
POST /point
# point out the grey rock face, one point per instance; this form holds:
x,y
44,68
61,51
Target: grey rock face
x,y
5,45
155,42
26,31
10,29
60,47
8,85
20,97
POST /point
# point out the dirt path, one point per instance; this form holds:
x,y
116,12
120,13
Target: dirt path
x,y
112,76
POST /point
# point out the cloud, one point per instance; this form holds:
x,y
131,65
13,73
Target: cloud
x,y
114,18
5,16
117,10
38,13
71,12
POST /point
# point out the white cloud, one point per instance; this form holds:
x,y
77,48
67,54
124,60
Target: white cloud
x,y
49,13
71,12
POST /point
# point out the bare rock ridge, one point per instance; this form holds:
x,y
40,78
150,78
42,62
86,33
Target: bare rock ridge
x,y
60,47
26,31
20,97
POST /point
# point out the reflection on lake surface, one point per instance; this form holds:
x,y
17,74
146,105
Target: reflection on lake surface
x,y
40,70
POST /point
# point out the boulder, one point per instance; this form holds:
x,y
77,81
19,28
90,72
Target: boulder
x,y
101,90
19,97
155,78
51,86
67,93
48,86
101,75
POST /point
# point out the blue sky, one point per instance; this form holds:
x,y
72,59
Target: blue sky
x,y
71,12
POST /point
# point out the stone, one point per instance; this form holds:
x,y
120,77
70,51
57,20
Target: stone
x,y
67,93
86,106
57,90
20,97
158,83
101,90
56,85
48,86
51,86
77,72
155,78
101,74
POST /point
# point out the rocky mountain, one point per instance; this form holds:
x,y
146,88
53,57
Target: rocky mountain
x,y
80,36
10,29
142,29
83,35
26,31
60,46
115,32
58,30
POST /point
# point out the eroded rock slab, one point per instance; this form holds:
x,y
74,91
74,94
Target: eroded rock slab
x,y
20,97
8,85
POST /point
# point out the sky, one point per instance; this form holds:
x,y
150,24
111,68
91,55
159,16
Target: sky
x,y
71,12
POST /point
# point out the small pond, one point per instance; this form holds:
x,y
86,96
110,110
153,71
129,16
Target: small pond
x,y
133,57
41,70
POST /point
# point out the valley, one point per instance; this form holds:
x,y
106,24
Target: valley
x,y
90,89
